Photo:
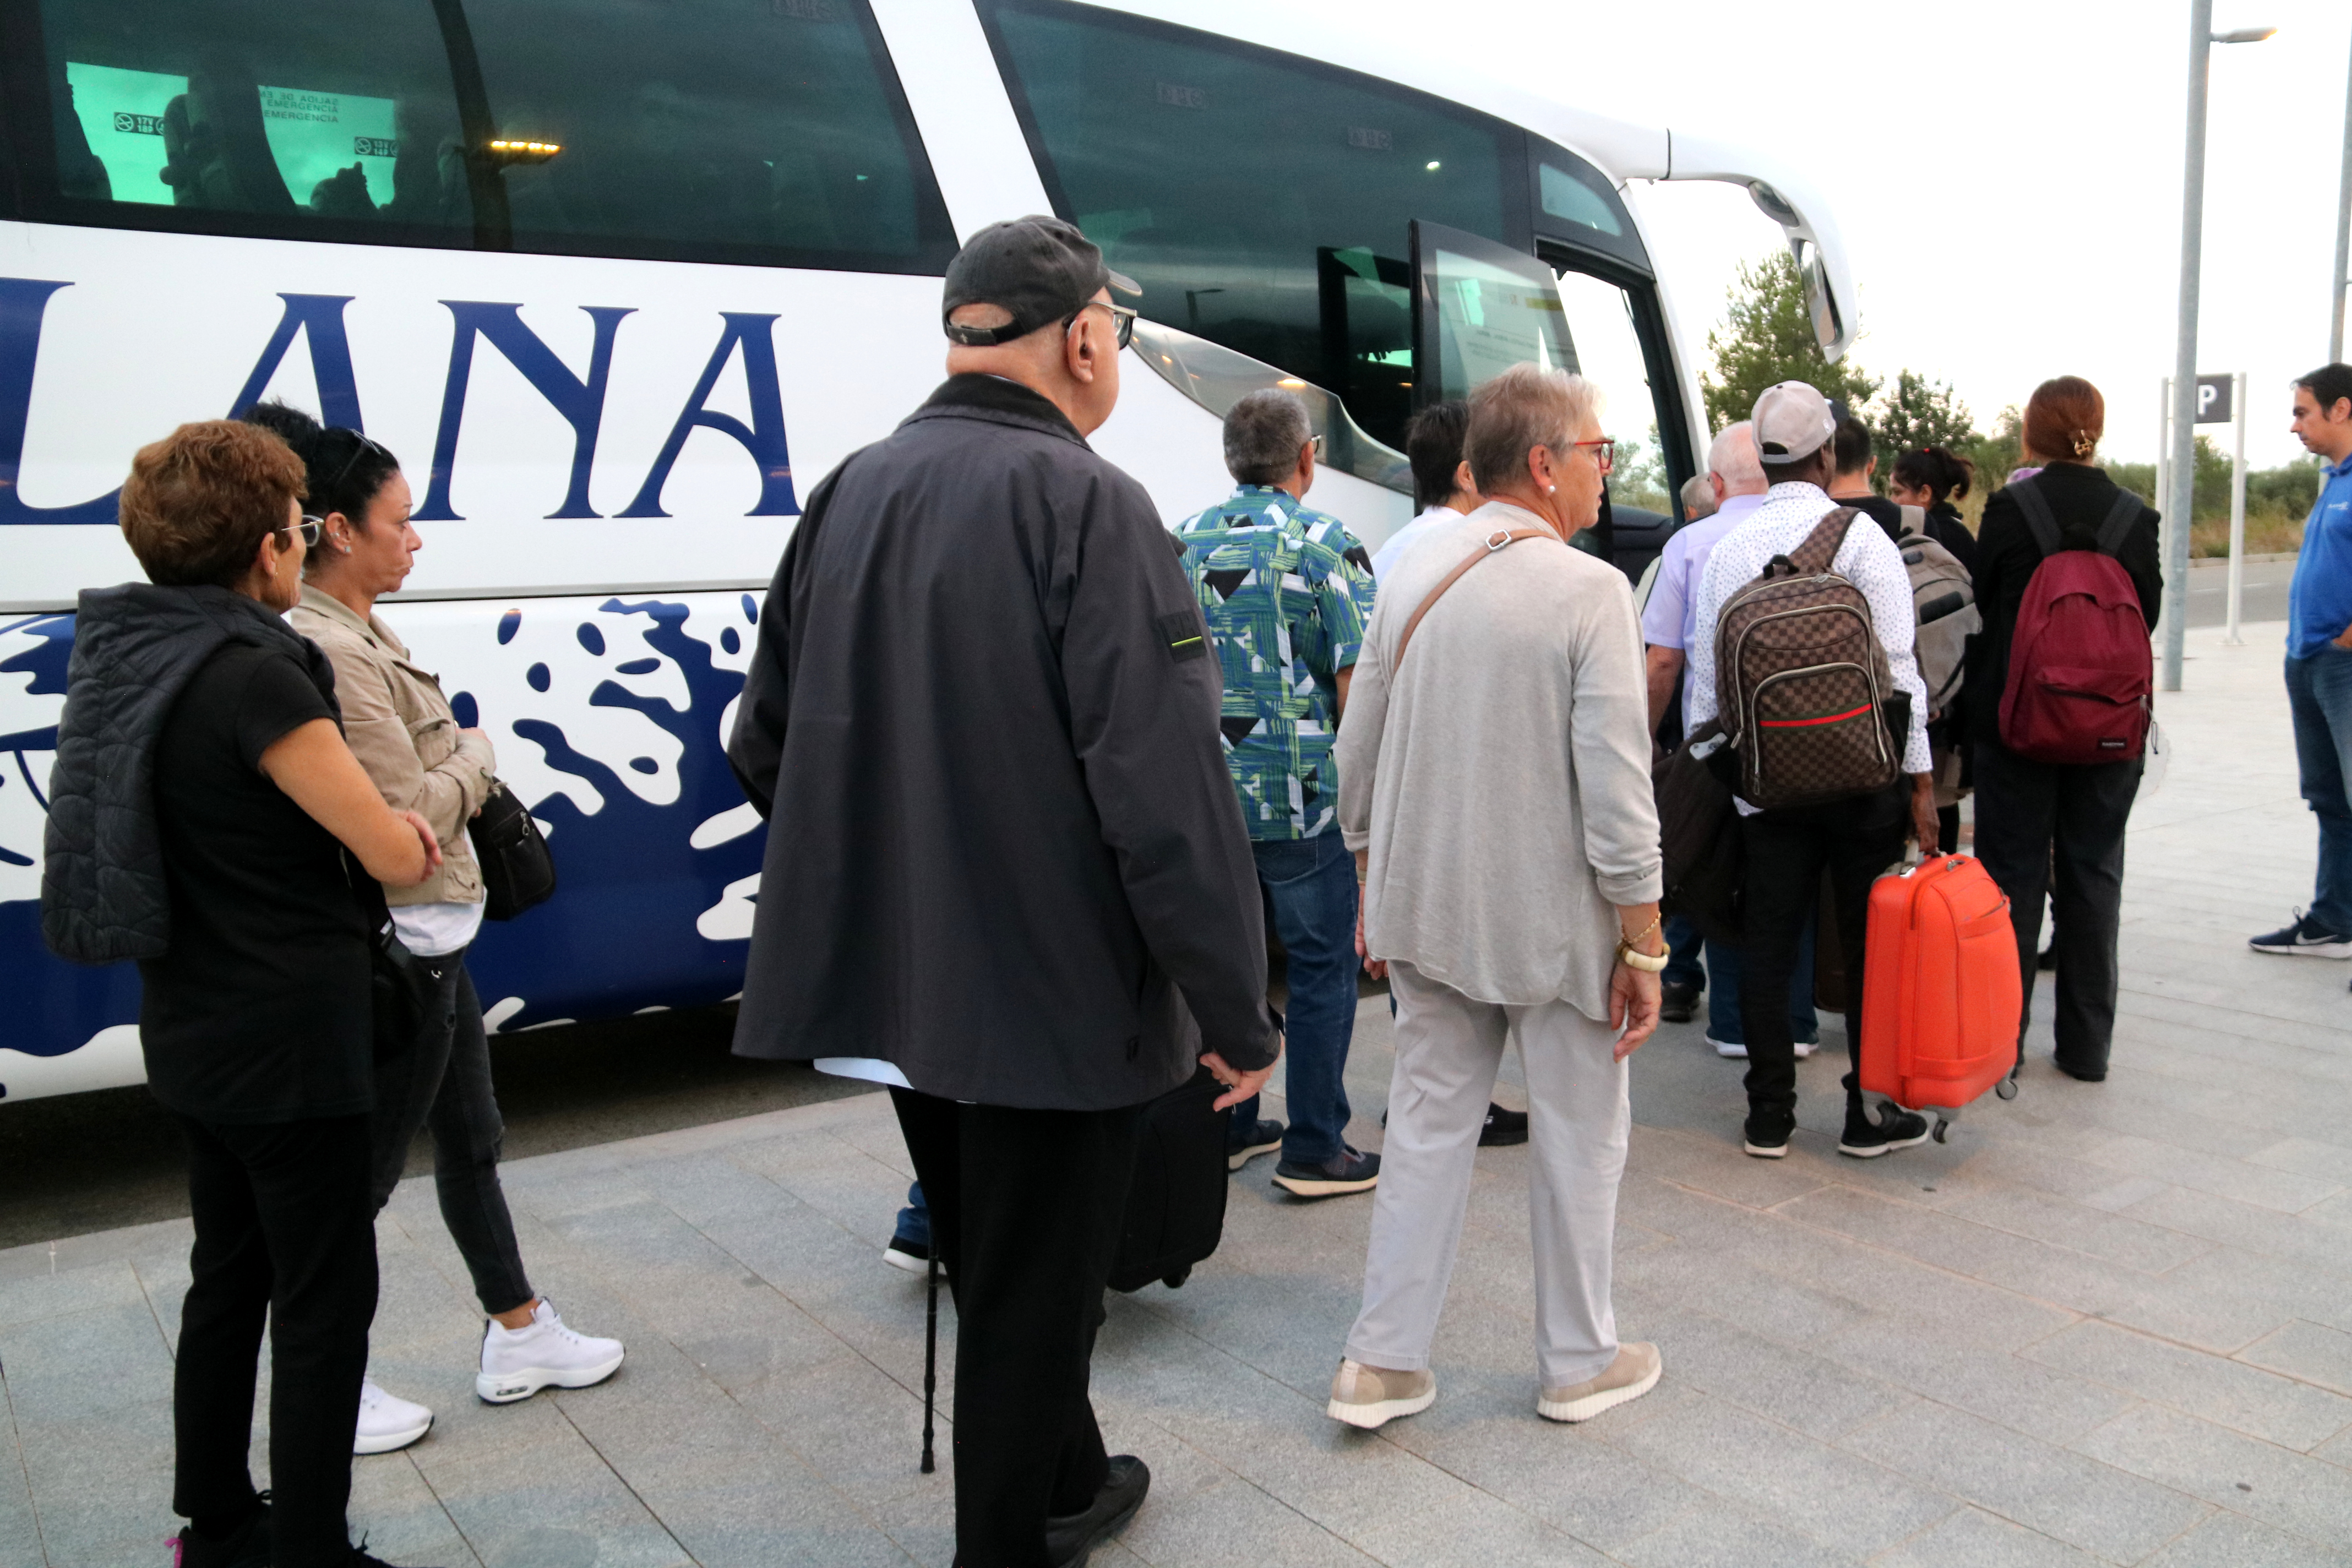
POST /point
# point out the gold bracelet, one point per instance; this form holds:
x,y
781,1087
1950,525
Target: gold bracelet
x,y
1629,941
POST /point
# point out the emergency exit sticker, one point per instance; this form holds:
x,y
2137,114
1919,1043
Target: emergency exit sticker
x,y
315,136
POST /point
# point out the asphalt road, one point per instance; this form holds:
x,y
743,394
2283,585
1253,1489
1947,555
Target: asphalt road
x,y
2263,596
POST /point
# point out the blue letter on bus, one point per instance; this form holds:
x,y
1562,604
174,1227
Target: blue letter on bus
x,y
581,403
764,440
22,302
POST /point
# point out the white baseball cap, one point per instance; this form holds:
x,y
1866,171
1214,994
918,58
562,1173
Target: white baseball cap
x,y
1792,420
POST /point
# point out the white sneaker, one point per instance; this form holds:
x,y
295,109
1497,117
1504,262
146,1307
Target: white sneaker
x,y
1731,1048
387,1421
519,1362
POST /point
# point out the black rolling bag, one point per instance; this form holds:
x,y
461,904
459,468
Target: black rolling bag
x,y
1176,1206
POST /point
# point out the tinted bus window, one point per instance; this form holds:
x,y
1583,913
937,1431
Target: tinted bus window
x,y
1261,200
753,130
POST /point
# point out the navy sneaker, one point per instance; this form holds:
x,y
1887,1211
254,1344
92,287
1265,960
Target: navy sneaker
x,y
2306,938
1351,1172
1248,1142
908,1253
1504,1128
1894,1129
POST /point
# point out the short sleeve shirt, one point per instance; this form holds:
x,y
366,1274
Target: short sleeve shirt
x,y
1286,592
259,1009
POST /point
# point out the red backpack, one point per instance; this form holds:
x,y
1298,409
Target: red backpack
x,y
2080,672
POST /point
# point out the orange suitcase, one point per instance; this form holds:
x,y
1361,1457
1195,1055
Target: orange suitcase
x,y
1942,990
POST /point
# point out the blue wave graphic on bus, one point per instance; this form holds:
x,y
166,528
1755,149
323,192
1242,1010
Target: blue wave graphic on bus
x,y
655,885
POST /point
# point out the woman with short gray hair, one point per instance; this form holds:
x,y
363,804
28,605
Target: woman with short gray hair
x,y
1495,783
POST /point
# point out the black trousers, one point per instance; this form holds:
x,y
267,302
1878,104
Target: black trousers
x,y
1788,851
444,1083
2036,818
1026,1211
284,1231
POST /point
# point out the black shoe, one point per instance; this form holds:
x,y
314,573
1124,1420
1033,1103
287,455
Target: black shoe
x,y
247,1546
2087,1074
2306,938
1249,1142
1071,1537
1676,1001
1766,1137
906,1252
1503,1129
1351,1172
1894,1129
2046,960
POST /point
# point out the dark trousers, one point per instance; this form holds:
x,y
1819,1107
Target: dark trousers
x,y
283,1230
1027,1212
1310,890
1788,851
2036,818
444,1084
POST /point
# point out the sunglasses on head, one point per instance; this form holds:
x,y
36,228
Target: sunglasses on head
x,y
365,444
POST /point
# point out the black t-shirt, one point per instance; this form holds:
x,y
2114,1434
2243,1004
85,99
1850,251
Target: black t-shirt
x,y
259,1009
1878,508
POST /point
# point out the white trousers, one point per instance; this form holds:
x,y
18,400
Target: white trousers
x,y
1448,1048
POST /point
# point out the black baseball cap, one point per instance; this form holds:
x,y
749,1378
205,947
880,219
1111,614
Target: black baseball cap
x,y
1040,269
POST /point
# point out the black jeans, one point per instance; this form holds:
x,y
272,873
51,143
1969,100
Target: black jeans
x,y
1026,1213
1788,851
2034,817
444,1084
283,1230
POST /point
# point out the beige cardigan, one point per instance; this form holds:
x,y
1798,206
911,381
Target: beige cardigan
x,y
400,727
1502,780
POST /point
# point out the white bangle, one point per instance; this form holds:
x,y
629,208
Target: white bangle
x,y
1649,963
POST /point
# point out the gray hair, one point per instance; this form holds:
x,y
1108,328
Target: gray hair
x,y
1521,409
1263,434
1699,498
1733,455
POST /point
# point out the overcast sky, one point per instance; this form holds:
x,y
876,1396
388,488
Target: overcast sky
x,y
2007,173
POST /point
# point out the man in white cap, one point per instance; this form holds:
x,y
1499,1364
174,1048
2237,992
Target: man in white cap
x,y
1854,839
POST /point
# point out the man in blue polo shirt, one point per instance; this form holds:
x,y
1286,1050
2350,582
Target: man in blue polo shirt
x,y
2319,666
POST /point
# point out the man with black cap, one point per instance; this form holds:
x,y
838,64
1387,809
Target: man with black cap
x,y
1006,873
1853,839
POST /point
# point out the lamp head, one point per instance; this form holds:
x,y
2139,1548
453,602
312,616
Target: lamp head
x,y
2245,36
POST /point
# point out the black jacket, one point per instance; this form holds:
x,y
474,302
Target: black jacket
x,y
2080,498
982,720
103,894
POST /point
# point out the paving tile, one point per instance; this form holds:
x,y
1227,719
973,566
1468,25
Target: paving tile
x,y
401,1520
2233,1541
35,1296
2059,1493
2082,1226
1997,1385
2314,1239
1841,1500
1797,1388
85,1364
2306,1497
2294,1415
1234,1525
1716,1533
2310,1351
2309,1157
1974,1539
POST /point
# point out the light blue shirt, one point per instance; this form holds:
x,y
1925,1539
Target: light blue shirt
x,y
1671,618
2319,600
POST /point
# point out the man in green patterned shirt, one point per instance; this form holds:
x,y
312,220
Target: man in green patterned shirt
x,y
1286,590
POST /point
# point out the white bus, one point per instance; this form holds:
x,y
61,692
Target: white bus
x,y
620,279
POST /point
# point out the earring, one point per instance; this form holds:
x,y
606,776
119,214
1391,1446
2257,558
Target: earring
x,y
1551,490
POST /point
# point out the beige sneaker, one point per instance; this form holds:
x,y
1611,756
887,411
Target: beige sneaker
x,y
1633,1374
1368,1396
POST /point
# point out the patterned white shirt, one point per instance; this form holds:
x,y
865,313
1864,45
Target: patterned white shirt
x,y
1867,559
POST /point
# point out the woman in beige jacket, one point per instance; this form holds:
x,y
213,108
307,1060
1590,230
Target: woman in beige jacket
x,y
401,727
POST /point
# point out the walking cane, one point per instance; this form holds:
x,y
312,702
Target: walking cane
x,y
930,1363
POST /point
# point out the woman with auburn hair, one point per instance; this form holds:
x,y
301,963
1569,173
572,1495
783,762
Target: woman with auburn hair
x,y
2056,826
231,889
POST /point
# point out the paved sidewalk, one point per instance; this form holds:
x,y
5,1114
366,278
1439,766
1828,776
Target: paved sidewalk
x,y
2104,1324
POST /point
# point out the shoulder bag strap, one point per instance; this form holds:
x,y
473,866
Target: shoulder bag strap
x,y
2039,521
1820,546
2120,519
1494,544
1915,521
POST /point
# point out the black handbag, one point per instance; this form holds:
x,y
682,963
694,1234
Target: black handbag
x,y
517,869
400,993
1704,854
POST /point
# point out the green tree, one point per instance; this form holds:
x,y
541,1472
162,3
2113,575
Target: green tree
x,y
1767,337
1918,412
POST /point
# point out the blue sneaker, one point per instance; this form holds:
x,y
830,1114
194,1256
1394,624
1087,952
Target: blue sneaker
x,y
1247,1143
2306,938
911,1238
1351,1172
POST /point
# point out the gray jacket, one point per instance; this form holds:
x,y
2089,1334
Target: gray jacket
x,y
103,897
1002,850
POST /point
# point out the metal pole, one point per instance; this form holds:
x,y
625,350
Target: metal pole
x,y
2237,507
2343,238
2184,370
2162,498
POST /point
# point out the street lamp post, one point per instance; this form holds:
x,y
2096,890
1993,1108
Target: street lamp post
x,y
2178,504
2343,237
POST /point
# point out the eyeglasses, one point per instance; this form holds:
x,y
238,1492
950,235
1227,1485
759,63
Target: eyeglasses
x,y
365,444
1605,452
308,528
1120,314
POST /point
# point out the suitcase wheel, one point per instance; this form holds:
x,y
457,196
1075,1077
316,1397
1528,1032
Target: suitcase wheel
x,y
1942,1127
2006,1087
1176,1280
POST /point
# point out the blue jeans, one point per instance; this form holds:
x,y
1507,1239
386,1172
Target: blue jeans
x,y
1310,888
1723,995
914,1220
1683,944
2319,696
